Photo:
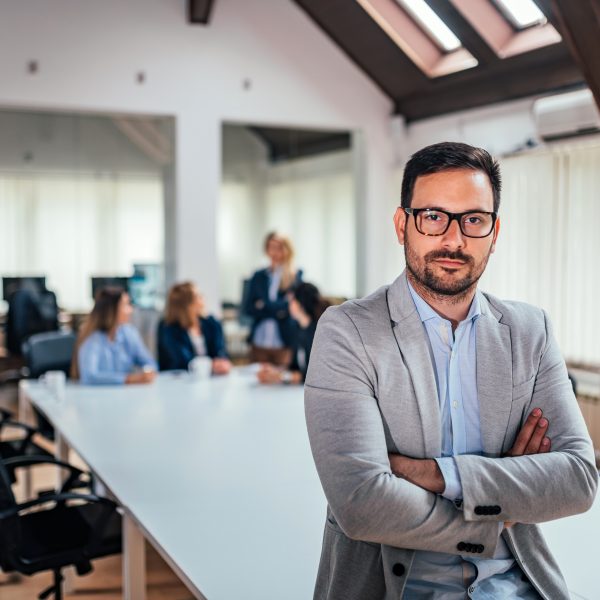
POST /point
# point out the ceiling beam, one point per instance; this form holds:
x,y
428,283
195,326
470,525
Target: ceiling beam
x,y
464,31
496,86
199,11
579,24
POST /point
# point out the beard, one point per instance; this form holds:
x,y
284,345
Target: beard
x,y
448,286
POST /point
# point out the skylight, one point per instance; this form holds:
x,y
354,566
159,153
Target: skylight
x,y
432,24
523,13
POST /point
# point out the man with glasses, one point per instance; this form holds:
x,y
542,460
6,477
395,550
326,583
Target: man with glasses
x,y
441,419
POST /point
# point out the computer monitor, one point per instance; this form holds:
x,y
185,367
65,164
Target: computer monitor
x,y
110,281
10,285
146,286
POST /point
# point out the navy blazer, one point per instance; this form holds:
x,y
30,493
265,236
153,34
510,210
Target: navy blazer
x,y
175,349
258,293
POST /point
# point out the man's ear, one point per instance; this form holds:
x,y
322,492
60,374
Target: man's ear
x,y
400,224
495,235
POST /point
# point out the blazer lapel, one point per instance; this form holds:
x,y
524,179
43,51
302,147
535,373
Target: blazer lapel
x,y
494,378
412,343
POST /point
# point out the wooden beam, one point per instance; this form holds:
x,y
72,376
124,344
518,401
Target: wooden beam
x,y
456,95
579,24
199,11
464,31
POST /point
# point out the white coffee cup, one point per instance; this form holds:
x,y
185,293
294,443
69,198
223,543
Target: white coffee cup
x,y
200,367
55,382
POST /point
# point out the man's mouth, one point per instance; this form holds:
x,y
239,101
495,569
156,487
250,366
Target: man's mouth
x,y
448,263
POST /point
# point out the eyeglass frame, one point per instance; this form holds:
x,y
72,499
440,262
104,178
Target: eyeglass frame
x,y
452,217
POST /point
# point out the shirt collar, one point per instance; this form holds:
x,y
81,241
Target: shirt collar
x,y
426,312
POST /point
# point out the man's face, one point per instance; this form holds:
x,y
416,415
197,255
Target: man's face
x,y
451,263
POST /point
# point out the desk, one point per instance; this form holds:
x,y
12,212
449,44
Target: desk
x,y
216,474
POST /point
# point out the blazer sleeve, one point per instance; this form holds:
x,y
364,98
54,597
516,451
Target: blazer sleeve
x,y
349,448
538,487
172,354
216,346
259,305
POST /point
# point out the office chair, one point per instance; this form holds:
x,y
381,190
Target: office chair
x,y
18,446
57,533
50,351
43,352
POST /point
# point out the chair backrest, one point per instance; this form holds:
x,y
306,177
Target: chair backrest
x,y
49,352
29,312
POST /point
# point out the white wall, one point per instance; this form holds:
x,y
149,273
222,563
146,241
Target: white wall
x,y
89,54
499,128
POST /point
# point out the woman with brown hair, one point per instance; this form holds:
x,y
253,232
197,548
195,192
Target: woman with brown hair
x,y
273,332
109,350
187,332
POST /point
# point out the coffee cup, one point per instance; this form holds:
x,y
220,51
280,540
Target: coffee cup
x,y
200,367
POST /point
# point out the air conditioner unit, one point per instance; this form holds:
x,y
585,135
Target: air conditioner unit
x,y
566,115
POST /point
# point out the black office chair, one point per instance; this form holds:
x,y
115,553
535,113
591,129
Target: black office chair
x,y
43,352
57,533
51,351
20,445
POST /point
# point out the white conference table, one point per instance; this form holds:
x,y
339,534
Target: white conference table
x,y
216,474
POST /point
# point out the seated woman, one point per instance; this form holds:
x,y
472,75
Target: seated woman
x,y
109,350
306,307
187,332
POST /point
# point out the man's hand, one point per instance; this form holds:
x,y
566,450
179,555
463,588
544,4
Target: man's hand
x,y
423,472
531,440
532,437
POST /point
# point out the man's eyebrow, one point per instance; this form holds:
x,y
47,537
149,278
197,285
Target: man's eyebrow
x,y
446,210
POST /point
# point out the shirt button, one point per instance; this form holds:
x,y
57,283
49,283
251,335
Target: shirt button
x,y
455,404
471,589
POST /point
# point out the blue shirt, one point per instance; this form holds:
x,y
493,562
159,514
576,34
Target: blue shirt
x,y
454,357
103,361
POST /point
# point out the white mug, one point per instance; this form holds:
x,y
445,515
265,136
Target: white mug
x,y
55,382
200,367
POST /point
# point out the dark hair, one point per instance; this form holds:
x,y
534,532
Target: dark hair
x,y
447,156
308,297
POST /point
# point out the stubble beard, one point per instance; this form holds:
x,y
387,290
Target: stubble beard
x,y
452,291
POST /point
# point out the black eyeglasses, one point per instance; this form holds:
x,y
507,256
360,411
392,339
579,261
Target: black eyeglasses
x,y
473,223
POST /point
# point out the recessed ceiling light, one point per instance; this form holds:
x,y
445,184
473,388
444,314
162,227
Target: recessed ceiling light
x,y
429,20
523,13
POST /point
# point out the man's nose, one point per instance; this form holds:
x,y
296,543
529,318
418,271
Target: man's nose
x,y
453,238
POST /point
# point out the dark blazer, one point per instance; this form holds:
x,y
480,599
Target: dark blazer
x,y
259,307
175,349
303,344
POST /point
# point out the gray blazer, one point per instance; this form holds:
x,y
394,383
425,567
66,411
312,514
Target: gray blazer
x,y
370,390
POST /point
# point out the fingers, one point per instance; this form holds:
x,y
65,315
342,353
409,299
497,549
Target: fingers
x,y
535,442
526,433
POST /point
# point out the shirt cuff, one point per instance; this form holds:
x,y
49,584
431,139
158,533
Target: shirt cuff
x,y
453,489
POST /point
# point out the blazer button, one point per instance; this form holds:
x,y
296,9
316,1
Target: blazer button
x,y
480,548
479,510
497,510
398,569
461,546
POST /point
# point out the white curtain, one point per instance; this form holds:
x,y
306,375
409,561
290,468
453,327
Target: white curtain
x,y
312,201
549,244
72,226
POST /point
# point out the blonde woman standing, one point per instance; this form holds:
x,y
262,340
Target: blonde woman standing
x,y
273,330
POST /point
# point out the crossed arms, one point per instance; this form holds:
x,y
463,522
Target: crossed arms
x,y
348,440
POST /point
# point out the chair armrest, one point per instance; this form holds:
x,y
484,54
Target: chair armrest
x,y
17,424
73,480
62,497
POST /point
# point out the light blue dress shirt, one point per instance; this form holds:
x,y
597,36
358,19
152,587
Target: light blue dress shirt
x,y
103,361
436,575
